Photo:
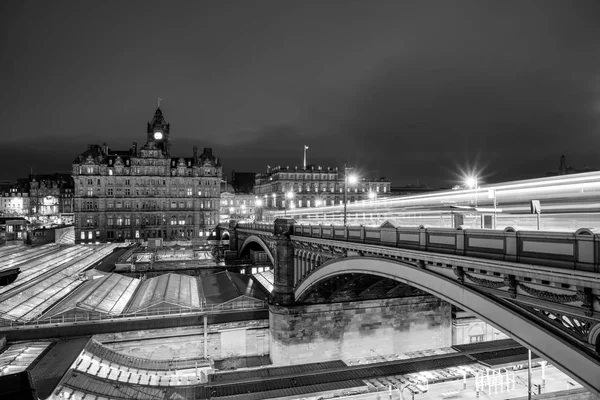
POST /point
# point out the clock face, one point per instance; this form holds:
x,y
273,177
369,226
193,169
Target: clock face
x,y
158,135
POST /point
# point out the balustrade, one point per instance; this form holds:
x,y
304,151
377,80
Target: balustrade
x,y
577,250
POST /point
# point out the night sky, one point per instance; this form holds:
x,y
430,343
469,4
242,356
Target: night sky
x,y
416,91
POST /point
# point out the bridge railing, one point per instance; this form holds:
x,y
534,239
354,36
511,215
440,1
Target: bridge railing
x,y
257,226
578,250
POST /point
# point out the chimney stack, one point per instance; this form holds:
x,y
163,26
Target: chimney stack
x,y
195,152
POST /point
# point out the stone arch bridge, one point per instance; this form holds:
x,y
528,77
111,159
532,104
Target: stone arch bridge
x,y
541,288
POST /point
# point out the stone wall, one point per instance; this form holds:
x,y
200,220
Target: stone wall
x,y
323,332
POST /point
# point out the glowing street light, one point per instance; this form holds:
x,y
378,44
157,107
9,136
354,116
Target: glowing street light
x,y
471,182
351,179
372,196
258,203
289,195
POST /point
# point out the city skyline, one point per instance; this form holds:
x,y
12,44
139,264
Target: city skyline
x,y
415,92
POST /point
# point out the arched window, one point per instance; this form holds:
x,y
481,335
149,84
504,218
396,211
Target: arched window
x,y
173,220
189,220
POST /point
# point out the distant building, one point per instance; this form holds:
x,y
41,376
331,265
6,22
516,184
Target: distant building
x,y
467,328
240,206
243,182
313,187
144,193
51,196
15,200
563,169
13,230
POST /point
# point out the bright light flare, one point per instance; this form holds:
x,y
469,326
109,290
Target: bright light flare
x,y
471,182
372,195
289,195
258,203
318,203
352,179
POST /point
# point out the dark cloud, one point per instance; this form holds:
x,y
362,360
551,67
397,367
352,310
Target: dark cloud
x,y
412,90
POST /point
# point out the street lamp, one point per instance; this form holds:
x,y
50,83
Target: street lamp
x,y
289,195
472,184
258,209
351,179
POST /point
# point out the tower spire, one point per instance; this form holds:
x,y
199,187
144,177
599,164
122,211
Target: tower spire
x,y
159,100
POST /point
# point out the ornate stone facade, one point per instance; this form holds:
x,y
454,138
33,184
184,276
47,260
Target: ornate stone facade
x,y
313,187
145,193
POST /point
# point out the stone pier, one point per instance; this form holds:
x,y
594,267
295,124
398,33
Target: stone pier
x,y
324,332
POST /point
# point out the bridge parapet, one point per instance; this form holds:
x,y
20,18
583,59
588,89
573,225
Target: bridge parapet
x,y
256,226
578,250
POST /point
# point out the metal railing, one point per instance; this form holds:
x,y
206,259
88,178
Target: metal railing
x,y
578,250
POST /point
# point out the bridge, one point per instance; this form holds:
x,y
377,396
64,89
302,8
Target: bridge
x,y
541,288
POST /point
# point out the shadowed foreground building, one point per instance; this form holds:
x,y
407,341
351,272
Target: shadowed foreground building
x,y
145,192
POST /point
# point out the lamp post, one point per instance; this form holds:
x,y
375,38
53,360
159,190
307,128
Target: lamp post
x,y
318,203
348,179
472,183
289,196
258,209
372,197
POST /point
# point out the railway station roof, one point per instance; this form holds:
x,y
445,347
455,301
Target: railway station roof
x,y
266,279
166,290
226,286
108,294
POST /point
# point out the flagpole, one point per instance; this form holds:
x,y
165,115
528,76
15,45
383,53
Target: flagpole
x,y
305,148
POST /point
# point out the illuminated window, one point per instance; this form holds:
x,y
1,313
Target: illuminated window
x,y
90,192
82,235
189,191
90,235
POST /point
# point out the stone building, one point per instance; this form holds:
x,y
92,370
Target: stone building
x,y
145,192
51,196
313,187
15,201
240,206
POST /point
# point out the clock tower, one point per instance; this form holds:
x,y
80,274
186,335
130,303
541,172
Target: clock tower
x,y
158,132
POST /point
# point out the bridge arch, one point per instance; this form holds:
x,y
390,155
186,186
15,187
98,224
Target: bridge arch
x,y
546,344
259,241
224,235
